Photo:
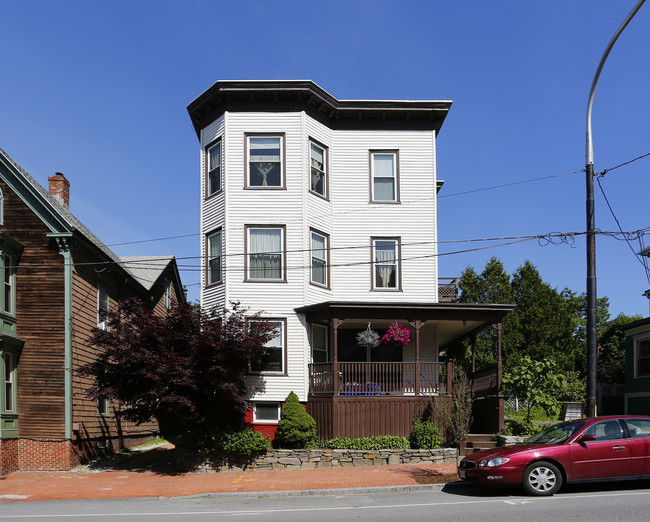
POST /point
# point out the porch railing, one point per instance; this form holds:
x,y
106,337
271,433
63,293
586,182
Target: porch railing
x,y
379,378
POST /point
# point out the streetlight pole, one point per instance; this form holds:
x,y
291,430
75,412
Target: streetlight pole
x,y
592,340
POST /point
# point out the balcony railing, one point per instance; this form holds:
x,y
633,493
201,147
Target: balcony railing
x,y
374,379
447,289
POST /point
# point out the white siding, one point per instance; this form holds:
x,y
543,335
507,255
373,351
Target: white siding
x,y
347,216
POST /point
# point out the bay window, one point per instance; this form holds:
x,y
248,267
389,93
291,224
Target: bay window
x,y
319,258
265,161
214,247
265,257
384,174
274,357
213,168
386,269
318,169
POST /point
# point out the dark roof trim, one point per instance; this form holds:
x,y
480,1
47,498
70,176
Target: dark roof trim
x,y
635,324
486,313
299,95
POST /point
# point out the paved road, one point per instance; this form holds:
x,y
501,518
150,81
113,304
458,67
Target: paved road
x,y
628,502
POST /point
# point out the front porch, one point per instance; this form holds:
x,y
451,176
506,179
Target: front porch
x,y
349,397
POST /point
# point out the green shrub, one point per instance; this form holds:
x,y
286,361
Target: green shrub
x,y
296,428
425,435
243,442
367,443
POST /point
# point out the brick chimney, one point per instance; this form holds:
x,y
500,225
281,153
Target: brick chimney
x,y
60,187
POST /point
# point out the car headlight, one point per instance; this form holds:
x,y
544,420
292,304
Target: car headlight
x,y
493,463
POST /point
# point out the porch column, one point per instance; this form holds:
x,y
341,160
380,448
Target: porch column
x,y
417,325
500,398
335,363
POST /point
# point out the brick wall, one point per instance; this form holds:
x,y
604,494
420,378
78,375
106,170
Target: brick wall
x,y
46,455
8,456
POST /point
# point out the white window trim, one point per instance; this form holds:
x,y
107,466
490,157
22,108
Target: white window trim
x,y
398,265
266,421
394,177
326,237
208,258
282,253
281,137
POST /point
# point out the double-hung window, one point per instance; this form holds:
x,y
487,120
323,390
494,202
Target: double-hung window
x,y
9,278
274,356
386,269
102,307
319,258
318,166
319,343
167,296
265,253
213,244
213,168
8,382
642,366
265,161
384,174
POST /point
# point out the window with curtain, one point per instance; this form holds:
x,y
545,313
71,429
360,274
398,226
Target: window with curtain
x,y
273,360
319,257
318,176
213,166
384,176
264,161
386,264
319,343
265,253
214,258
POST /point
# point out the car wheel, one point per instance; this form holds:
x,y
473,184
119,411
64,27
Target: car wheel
x,y
542,478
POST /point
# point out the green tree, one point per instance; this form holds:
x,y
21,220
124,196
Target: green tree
x,y
536,382
186,368
611,350
296,428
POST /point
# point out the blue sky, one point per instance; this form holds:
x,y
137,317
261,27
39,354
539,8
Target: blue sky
x,y
98,91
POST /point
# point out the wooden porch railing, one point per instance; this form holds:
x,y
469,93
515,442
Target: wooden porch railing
x,y
374,379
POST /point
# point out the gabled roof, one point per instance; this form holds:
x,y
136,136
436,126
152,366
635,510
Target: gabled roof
x,y
299,95
58,218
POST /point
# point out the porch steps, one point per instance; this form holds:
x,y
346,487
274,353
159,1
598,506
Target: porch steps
x,y
476,442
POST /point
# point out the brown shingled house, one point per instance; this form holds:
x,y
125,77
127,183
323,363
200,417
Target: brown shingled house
x,y
57,278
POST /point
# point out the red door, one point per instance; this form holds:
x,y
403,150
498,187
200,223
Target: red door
x,y
606,457
639,445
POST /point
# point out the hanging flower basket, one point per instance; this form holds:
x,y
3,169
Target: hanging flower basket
x,y
368,338
397,334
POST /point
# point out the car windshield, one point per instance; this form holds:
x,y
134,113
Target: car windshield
x,y
556,434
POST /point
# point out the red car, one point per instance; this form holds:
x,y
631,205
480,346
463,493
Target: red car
x,y
582,450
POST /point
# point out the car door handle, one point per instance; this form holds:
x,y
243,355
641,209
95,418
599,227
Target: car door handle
x,y
619,447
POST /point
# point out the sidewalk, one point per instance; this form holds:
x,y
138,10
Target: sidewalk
x,y
134,479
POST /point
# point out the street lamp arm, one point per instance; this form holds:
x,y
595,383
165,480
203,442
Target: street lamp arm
x,y
589,153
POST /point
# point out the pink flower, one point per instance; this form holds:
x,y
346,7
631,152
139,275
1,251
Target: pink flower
x,y
396,333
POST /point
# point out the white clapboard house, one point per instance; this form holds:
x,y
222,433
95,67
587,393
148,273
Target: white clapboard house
x,y
322,214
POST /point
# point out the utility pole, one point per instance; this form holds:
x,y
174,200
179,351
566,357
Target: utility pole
x,y
592,340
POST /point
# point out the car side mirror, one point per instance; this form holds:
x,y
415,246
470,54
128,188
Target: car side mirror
x,y
587,437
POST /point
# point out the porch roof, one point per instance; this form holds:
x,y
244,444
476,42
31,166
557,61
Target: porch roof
x,y
454,320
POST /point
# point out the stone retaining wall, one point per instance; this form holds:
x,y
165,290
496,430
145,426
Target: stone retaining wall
x,y
324,458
